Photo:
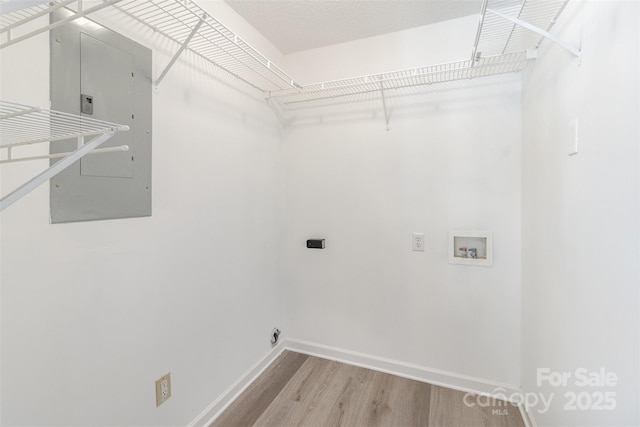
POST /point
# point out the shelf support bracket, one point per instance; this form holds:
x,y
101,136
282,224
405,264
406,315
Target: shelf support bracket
x,y
545,34
387,113
276,111
52,171
179,52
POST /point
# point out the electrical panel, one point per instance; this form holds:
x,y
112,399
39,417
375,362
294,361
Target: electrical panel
x,y
98,73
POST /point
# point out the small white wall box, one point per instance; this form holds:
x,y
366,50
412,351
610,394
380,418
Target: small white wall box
x,y
471,248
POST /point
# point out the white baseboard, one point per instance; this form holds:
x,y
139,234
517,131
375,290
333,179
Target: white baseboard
x,y
216,407
527,415
438,377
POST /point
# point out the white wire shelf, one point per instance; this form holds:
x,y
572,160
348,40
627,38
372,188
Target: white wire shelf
x,y
415,77
14,15
497,35
508,34
22,125
507,30
188,25
25,125
499,46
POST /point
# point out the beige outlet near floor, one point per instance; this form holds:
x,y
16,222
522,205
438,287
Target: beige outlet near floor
x,y
163,388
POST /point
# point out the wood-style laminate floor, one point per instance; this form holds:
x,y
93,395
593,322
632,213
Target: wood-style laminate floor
x,y
302,390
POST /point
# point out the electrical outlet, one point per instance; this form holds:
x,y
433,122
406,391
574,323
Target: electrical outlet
x,y
418,241
163,388
275,335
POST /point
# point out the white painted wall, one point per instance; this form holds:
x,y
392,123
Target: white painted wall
x,y
580,297
93,313
438,43
451,160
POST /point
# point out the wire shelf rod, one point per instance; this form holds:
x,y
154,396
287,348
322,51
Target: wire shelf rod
x,y
51,138
11,159
16,134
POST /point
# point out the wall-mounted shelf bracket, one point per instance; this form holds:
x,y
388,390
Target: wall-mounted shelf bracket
x,y
179,51
545,34
387,113
52,171
21,125
190,26
276,111
13,19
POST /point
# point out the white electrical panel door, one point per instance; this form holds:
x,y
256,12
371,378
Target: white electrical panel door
x,y
107,80
98,73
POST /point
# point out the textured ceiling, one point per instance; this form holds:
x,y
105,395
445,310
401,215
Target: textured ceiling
x,y
295,25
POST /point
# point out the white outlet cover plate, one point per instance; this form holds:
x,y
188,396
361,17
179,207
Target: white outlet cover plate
x,y
163,389
417,242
